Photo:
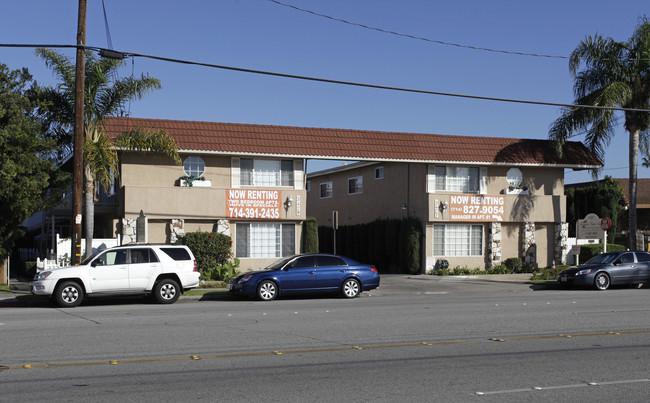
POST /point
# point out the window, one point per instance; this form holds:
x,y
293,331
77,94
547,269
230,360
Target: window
x,y
355,185
266,172
144,255
457,179
326,190
324,261
303,262
379,173
111,258
263,240
308,186
177,253
457,240
194,166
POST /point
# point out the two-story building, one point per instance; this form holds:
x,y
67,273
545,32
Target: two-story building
x,y
481,200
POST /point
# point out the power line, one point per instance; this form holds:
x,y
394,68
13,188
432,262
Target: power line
x,y
385,31
332,81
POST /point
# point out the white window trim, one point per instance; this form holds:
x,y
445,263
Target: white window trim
x,y
320,191
445,240
379,170
482,179
360,180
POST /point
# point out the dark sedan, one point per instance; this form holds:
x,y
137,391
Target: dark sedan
x,y
305,274
607,269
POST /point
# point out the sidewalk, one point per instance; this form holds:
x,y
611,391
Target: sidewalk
x,y
24,288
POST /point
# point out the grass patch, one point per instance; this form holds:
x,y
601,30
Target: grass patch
x,y
205,292
4,289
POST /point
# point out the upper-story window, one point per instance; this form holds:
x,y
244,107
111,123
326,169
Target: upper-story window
x,y
325,190
355,185
194,166
457,179
256,172
379,173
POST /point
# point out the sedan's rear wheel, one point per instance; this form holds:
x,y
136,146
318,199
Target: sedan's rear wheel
x,y
602,281
267,290
351,288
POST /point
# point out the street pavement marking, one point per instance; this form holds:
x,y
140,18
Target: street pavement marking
x,y
315,350
555,387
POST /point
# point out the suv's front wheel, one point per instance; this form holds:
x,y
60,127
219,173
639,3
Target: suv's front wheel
x,y
68,294
166,291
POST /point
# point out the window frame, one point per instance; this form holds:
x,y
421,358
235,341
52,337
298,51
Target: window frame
x,y
283,174
358,185
194,159
285,244
329,191
379,173
450,249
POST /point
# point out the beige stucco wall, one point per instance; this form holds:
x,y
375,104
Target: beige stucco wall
x,y
406,184
150,183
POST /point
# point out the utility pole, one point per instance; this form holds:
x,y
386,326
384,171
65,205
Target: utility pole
x,y
77,173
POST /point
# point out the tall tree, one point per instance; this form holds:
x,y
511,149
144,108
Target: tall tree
x,y
105,95
27,174
615,75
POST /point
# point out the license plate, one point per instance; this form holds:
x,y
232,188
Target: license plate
x,y
229,286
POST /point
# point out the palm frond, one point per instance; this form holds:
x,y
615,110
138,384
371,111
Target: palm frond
x,y
100,158
157,141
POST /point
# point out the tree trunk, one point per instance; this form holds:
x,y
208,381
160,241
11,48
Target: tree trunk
x,y
634,155
89,208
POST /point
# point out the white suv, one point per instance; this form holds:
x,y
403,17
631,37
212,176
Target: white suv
x,y
162,270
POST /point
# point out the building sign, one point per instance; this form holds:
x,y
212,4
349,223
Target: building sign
x,y
253,204
476,208
590,227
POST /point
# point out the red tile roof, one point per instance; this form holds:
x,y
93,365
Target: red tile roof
x,y
318,143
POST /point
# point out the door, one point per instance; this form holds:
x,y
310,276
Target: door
x,y
299,275
330,272
642,266
144,266
624,270
109,272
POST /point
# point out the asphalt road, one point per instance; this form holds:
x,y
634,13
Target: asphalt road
x,y
415,339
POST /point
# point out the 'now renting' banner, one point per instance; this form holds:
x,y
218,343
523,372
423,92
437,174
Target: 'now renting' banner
x,y
476,208
253,204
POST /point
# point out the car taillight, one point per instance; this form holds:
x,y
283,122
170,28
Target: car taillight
x,y
373,269
196,266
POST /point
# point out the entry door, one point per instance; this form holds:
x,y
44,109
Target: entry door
x,y
109,272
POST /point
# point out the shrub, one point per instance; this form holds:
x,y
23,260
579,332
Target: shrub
x,y
310,236
222,272
590,250
549,273
498,269
514,264
212,253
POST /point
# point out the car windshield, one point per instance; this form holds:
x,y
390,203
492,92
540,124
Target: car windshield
x,y
278,263
602,258
91,257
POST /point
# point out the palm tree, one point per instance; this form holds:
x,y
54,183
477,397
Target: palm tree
x,y
615,75
105,95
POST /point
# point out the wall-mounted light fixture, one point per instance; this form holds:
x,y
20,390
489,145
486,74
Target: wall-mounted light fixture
x,y
288,203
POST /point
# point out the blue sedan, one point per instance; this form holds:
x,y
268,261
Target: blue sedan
x,y
304,274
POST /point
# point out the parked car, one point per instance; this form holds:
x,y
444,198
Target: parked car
x,y
607,269
162,270
305,274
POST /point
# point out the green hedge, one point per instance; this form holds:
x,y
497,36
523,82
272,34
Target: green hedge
x,y
590,250
310,236
212,253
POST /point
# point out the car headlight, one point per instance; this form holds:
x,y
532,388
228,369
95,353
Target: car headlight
x,y
583,272
245,278
42,275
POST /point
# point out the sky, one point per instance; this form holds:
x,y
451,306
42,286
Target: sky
x,y
264,35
